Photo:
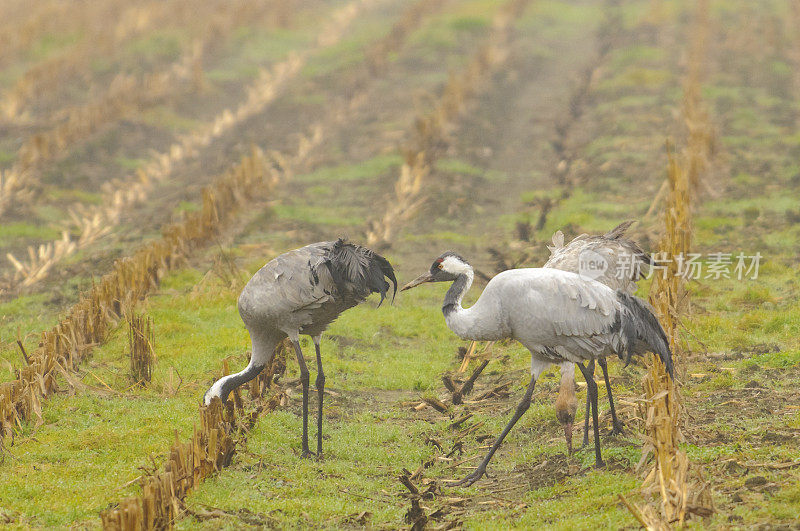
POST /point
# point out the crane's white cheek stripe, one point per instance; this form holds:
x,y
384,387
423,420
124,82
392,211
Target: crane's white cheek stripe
x,y
453,265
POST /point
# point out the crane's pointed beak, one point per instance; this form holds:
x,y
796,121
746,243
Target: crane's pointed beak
x,y
568,437
425,277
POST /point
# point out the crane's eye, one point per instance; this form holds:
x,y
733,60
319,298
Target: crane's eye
x,y
440,266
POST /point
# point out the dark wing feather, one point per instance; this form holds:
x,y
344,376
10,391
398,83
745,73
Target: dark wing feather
x,y
358,271
616,234
643,331
619,230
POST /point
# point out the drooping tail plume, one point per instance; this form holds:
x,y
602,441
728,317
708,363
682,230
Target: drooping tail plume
x,y
643,331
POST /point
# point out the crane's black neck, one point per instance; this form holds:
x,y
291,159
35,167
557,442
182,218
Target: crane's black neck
x,y
233,381
460,286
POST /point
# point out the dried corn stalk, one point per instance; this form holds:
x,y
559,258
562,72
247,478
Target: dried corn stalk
x,y
210,450
701,141
88,321
43,76
132,278
701,136
125,93
141,350
680,491
378,54
667,479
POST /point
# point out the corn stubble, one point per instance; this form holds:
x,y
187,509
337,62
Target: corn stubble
x,y
211,445
87,323
95,221
210,22
673,480
141,349
126,93
211,448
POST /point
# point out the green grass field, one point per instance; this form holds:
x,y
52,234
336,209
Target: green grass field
x,y
535,147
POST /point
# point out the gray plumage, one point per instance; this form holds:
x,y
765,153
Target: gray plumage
x,y
302,292
642,330
627,262
560,317
557,315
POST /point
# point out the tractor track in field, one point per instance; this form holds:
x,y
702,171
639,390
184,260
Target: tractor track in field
x,y
363,139
529,146
526,94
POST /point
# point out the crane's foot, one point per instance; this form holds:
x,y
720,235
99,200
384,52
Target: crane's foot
x,y
599,463
618,429
307,454
469,480
319,456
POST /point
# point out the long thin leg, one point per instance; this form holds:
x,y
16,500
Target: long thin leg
x,y
522,407
592,392
304,379
588,409
320,383
617,425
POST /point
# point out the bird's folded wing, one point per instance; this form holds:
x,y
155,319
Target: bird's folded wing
x,y
297,281
576,307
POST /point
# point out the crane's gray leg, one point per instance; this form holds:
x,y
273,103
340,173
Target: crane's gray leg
x,y
617,425
588,408
320,383
304,379
592,392
522,407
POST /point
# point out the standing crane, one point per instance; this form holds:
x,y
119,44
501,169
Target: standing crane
x,y
302,292
623,262
560,317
